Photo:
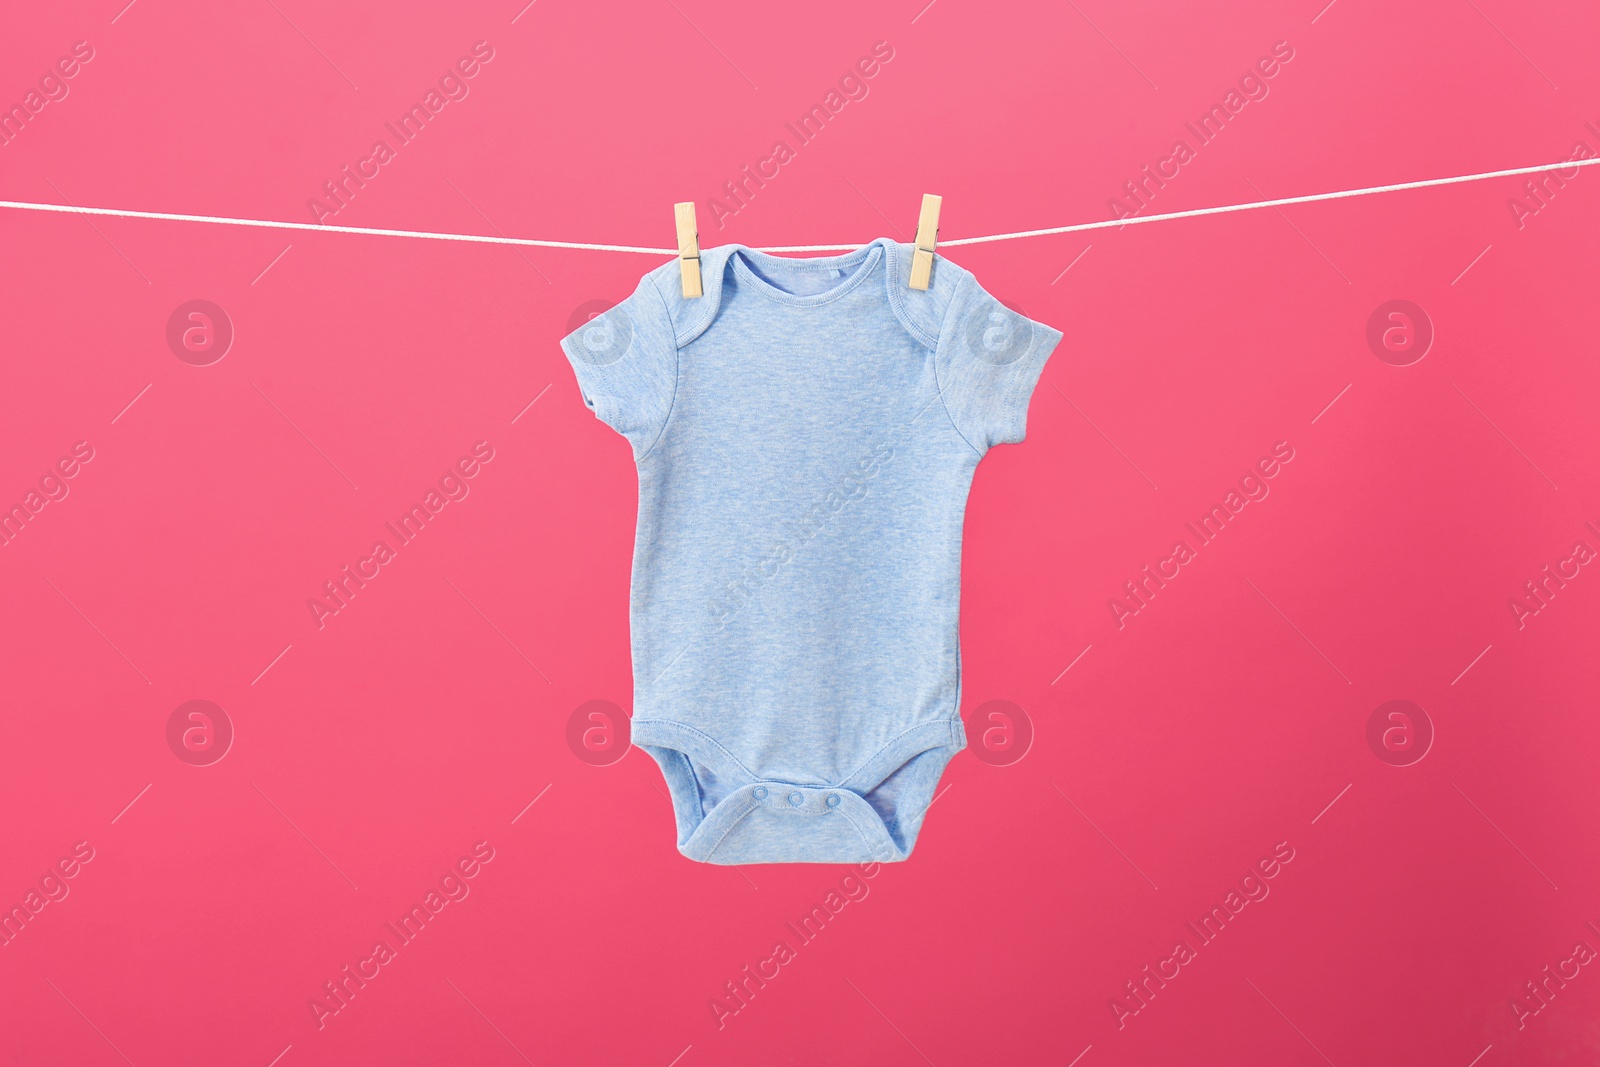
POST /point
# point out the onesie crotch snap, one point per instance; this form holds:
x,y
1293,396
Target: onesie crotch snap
x,y
801,823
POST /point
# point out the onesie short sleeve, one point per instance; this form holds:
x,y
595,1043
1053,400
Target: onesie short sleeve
x,y
989,360
626,363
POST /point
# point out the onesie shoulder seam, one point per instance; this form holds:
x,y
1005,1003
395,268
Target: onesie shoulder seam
x,y
897,301
672,338
909,323
701,311
944,322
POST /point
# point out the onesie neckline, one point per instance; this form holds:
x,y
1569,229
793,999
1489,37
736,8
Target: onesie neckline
x,y
868,256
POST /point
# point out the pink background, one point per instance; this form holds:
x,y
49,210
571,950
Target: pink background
x,y
1228,715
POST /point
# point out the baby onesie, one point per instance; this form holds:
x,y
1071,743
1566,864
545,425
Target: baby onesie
x,y
805,436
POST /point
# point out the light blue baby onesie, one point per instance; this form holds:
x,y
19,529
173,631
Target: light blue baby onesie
x,y
805,435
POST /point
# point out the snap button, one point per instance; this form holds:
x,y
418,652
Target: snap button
x,y
833,800
760,792
796,799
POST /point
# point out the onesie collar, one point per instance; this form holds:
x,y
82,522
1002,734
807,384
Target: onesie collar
x,y
865,261
691,317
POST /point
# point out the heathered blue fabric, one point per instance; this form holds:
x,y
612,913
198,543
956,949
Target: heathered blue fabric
x,y
805,435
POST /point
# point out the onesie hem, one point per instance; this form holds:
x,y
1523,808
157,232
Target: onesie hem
x,y
800,822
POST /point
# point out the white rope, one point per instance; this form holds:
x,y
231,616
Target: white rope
x,y
370,231
1131,220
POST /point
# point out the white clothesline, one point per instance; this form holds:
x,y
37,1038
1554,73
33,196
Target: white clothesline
x,y
22,205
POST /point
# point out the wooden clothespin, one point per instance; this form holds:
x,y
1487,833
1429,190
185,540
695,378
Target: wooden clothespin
x,y
927,239
688,247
